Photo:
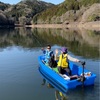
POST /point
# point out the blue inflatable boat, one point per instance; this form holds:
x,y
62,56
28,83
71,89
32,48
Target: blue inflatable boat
x,y
63,82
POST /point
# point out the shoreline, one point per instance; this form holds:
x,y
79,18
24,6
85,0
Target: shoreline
x,y
72,25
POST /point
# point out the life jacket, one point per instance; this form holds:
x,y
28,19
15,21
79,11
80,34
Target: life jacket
x,y
63,61
48,55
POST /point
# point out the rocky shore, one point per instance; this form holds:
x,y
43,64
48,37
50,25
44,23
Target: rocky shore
x,y
89,25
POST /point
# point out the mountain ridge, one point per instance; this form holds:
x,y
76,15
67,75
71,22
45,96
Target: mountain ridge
x,y
29,12
23,12
69,11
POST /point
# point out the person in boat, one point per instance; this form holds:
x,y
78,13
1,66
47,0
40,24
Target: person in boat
x,y
63,61
48,53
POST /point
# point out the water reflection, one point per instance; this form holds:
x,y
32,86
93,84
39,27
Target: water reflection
x,y
58,94
80,93
80,42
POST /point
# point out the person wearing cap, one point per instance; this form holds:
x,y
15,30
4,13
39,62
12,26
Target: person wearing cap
x,y
63,61
47,53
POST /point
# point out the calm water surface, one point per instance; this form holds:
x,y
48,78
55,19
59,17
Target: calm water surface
x,y
19,50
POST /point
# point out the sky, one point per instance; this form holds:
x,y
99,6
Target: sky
x,y
16,1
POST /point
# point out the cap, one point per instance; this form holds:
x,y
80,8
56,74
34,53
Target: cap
x,y
64,49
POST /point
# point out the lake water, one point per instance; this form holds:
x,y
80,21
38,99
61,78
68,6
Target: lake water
x,y
19,50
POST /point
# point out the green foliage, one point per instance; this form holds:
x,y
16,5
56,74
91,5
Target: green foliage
x,y
72,4
94,17
61,10
88,2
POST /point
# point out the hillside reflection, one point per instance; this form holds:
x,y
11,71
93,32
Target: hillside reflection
x,y
80,42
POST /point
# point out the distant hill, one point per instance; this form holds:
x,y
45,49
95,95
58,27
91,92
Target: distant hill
x,y
4,6
70,11
29,12
23,12
4,19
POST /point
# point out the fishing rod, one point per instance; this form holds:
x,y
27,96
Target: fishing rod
x,y
83,78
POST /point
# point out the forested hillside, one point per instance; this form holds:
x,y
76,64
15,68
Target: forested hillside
x,y
29,12
23,12
69,11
